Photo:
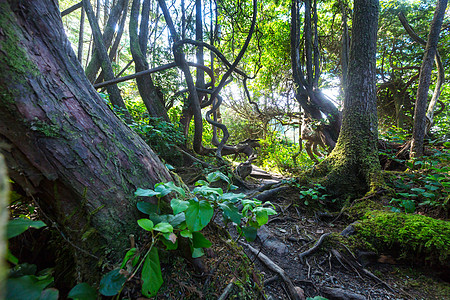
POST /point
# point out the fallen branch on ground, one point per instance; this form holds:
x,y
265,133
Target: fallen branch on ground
x,y
313,248
275,268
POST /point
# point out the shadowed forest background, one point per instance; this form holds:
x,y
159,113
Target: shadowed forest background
x,y
225,149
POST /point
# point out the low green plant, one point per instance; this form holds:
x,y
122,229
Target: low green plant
x,y
25,282
191,213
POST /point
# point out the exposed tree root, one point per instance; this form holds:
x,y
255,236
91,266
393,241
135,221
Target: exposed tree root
x,y
275,268
313,248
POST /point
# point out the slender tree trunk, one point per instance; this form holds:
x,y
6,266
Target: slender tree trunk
x,y
63,144
96,62
200,82
138,46
353,164
424,80
113,90
81,37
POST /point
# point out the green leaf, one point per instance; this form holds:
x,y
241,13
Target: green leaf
x,y
418,190
130,253
168,243
112,283
165,188
151,274
198,214
49,294
428,195
82,291
163,227
145,193
176,220
11,258
178,205
18,226
262,217
197,252
232,197
169,167
215,176
249,233
231,212
147,208
186,233
200,241
207,191
409,206
26,287
201,183
145,224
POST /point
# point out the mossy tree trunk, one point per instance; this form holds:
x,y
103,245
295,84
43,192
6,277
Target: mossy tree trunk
x,y
353,165
62,144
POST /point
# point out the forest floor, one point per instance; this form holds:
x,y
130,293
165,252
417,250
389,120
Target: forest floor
x,y
289,272
293,231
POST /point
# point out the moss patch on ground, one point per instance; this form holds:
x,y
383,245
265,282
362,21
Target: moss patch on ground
x,y
413,237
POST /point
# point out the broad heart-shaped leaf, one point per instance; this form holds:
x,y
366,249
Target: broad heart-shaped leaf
x,y
147,208
262,217
200,241
145,193
201,182
165,188
82,291
49,294
178,205
176,220
212,177
151,274
130,253
186,233
249,233
232,197
206,191
25,287
231,212
167,241
198,214
18,226
112,283
145,224
163,227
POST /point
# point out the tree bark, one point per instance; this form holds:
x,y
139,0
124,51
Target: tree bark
x,y
138,47
353,165
64,144
424,80
81,37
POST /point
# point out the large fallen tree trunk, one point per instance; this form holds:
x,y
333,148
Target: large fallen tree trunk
x,y
62,144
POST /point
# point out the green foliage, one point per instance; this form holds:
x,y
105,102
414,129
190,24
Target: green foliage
x,y
315,195
82,291
162,137
427,184
191,213
20,225
413,235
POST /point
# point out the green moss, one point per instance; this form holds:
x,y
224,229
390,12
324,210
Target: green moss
x,y
413,236
14,59
47,129
359,208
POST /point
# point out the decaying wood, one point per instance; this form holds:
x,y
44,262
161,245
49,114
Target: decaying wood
x,y
275,268
335,293
4,197
313,248
227,290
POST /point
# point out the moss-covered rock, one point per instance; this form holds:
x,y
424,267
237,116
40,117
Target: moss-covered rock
x,y
414,237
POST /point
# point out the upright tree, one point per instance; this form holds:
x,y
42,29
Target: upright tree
x,y
353,165
424,80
